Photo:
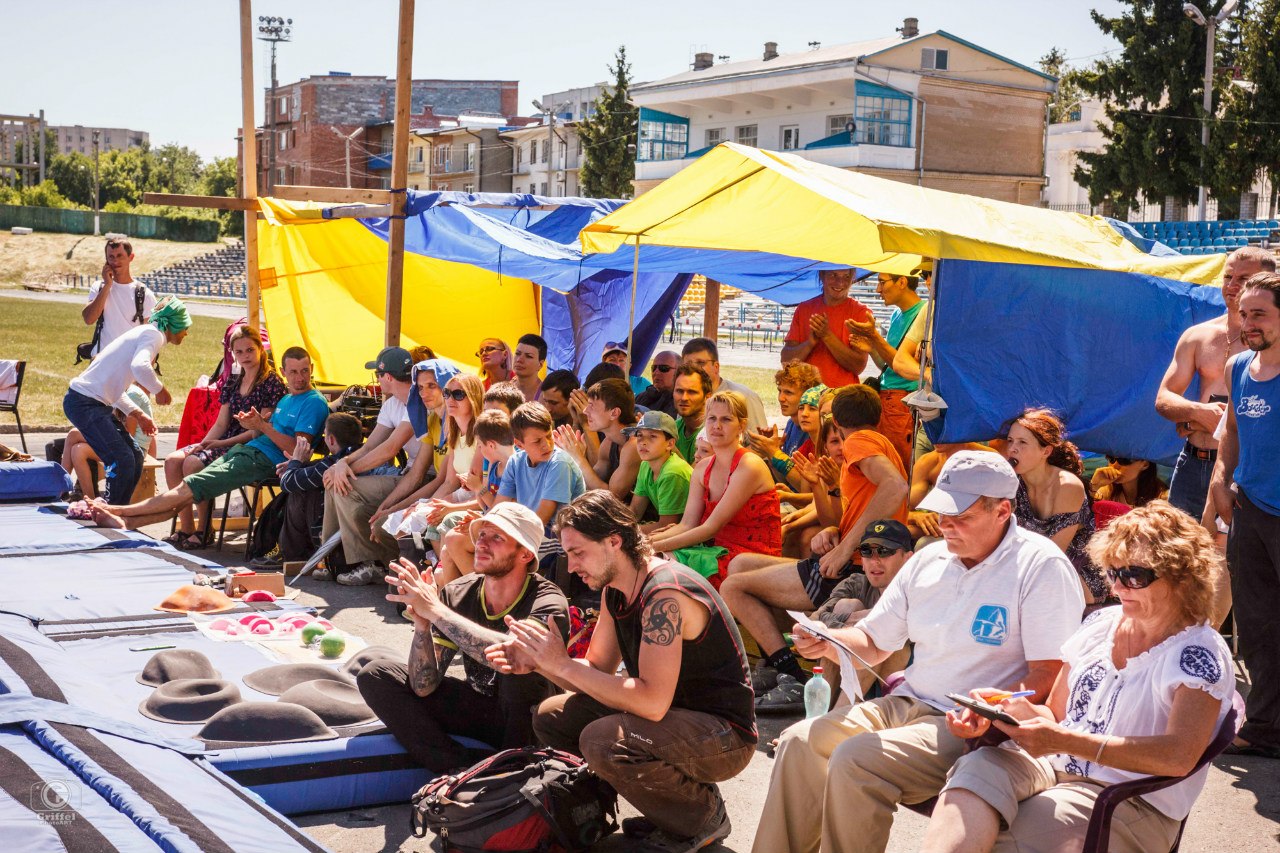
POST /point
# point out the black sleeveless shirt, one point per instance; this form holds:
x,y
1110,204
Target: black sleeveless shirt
x,y
714,674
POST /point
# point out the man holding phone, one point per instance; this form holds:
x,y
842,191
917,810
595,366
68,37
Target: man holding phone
x,y
991,604
117,303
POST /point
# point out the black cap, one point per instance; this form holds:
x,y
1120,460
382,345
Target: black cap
x,y
394,360
888,534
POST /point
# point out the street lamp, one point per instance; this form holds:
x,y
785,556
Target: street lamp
x,y
1210,23
346,141
550,112
273,30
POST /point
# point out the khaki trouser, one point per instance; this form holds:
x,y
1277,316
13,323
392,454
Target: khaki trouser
x,y
1044,811
350,513
838,779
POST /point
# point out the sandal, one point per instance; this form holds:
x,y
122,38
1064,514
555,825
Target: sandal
x,y
175,538
196,541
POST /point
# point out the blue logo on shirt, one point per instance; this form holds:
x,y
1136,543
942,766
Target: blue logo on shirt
x,y
990,625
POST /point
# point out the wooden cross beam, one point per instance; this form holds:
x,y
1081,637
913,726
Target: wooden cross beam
x,y
247,201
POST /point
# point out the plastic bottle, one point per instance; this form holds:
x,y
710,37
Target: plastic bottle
x,y
817,695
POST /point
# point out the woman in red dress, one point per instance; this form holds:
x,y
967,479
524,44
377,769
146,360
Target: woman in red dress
x,y
732,500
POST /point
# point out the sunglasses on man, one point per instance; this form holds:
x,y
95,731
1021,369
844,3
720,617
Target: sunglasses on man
x,y
877,551
1132,577
662,368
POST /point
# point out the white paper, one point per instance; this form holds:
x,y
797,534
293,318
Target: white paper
x,y
846,656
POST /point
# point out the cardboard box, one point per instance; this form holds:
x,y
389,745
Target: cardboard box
x,y
239,584
293,567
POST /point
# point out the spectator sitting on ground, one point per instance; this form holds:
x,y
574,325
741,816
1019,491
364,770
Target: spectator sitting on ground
x,y
357,486
614,463
529,359
793,380
94,396
1145,688
257,386
873,485
821,475
117,302
1052,499
657,397
692,388
662,488
302,481
817,334
556,389
77,454
618,353
506,396
740,513
418,702
923,476
301,413
703,353
1132,482
540,476
495,361
679,719
990,605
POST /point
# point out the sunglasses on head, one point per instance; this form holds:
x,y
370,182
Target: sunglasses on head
x,y
1120,460
876,550
608,345
456,394
663,368
1132,577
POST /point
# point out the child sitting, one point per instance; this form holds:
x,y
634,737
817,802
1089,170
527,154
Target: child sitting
x,y
662,487
302,481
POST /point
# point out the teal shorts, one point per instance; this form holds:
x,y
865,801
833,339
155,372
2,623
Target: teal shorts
x,y
239,466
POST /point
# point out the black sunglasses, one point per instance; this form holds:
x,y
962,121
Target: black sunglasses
x,y
1120,460
456,394
663,368
1132,577
876,551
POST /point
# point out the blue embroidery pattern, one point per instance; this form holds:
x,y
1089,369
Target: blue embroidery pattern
x,y
1199,662
990,625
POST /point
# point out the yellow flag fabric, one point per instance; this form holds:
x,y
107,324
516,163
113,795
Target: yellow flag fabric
x,y
746,199
324,287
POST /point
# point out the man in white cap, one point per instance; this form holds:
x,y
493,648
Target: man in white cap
x,y
419,704
988,608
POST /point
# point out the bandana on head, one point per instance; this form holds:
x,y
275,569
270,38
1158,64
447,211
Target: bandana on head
x,y
418,414
170,315
812,396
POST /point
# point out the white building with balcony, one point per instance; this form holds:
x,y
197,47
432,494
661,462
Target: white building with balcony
x,y
930,108
547,160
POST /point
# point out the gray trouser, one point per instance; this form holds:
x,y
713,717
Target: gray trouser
x,y
350,513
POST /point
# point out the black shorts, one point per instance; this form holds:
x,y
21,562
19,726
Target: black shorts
x,y
815,585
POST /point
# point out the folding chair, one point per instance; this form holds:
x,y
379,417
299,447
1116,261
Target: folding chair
x,y
12,407
250,493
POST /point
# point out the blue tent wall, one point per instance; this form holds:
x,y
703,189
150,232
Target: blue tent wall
x,y
1091,345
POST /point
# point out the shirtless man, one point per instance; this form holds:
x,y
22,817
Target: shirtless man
x,y
924,476
1203,351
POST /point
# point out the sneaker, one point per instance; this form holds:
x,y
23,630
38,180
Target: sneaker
x,y
267,561
321,573
638,828
660,841
786,697
763,679
362,575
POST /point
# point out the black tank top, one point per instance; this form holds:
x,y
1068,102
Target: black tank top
x,y
714,675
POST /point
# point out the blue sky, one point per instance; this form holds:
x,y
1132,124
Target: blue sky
x,y
172,68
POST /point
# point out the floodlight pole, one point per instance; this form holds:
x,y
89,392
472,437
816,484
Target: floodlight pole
x,y
274,30
97,197
1210,24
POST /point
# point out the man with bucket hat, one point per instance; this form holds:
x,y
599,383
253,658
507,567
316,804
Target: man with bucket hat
x,y
422,706
987,607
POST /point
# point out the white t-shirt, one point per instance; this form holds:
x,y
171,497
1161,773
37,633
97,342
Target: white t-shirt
x,y
124,361
121,308
1136,701
391,415
756,419
977,627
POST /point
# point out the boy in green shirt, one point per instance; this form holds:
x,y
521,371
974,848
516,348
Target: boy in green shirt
x,y
662,487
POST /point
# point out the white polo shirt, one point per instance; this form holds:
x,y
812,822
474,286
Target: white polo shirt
x,y
978,627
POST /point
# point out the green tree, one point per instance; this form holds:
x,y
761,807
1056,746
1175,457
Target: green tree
x,y
50,148
609,138
220,178
44,195
1066,100
124,175
173,169
1152,92
73,175
1243,143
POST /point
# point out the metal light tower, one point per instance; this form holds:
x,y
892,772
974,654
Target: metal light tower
x,y
273,30
1211,24
97,196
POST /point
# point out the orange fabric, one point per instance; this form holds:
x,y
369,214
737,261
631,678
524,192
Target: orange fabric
x,y
833,375
896,423
855,489
190,598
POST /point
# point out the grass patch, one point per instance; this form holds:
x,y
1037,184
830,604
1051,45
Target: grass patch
x,y
45,334
41,259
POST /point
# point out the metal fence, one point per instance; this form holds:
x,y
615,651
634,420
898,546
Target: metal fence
x,y
70,221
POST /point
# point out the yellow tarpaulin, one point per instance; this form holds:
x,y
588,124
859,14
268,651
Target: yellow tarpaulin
x,y
324,287
746,199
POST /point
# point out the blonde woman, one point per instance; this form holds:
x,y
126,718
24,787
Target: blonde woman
x,y
495,361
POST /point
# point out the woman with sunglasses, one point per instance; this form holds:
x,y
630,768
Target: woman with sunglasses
x,y
1143,689
1132,482
1052,499
732,500
495,361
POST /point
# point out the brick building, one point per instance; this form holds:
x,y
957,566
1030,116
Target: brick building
x,y
311,116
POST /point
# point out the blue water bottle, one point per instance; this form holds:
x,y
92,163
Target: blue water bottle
x,y
817,695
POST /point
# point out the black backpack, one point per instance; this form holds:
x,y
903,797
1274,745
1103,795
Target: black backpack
x,y
529,800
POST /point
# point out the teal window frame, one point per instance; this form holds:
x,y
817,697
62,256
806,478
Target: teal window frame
x,y
662,136
883,116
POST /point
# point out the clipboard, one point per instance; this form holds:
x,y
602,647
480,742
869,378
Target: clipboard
x,y
982,709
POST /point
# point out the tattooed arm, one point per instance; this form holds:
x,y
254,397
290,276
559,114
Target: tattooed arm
x,y
470,638
427,661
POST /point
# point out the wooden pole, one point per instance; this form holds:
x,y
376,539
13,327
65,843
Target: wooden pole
x,y
711,310
249,160
399,173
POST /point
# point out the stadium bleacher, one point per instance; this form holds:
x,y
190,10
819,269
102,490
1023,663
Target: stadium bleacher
x,y
1210,238
220,273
